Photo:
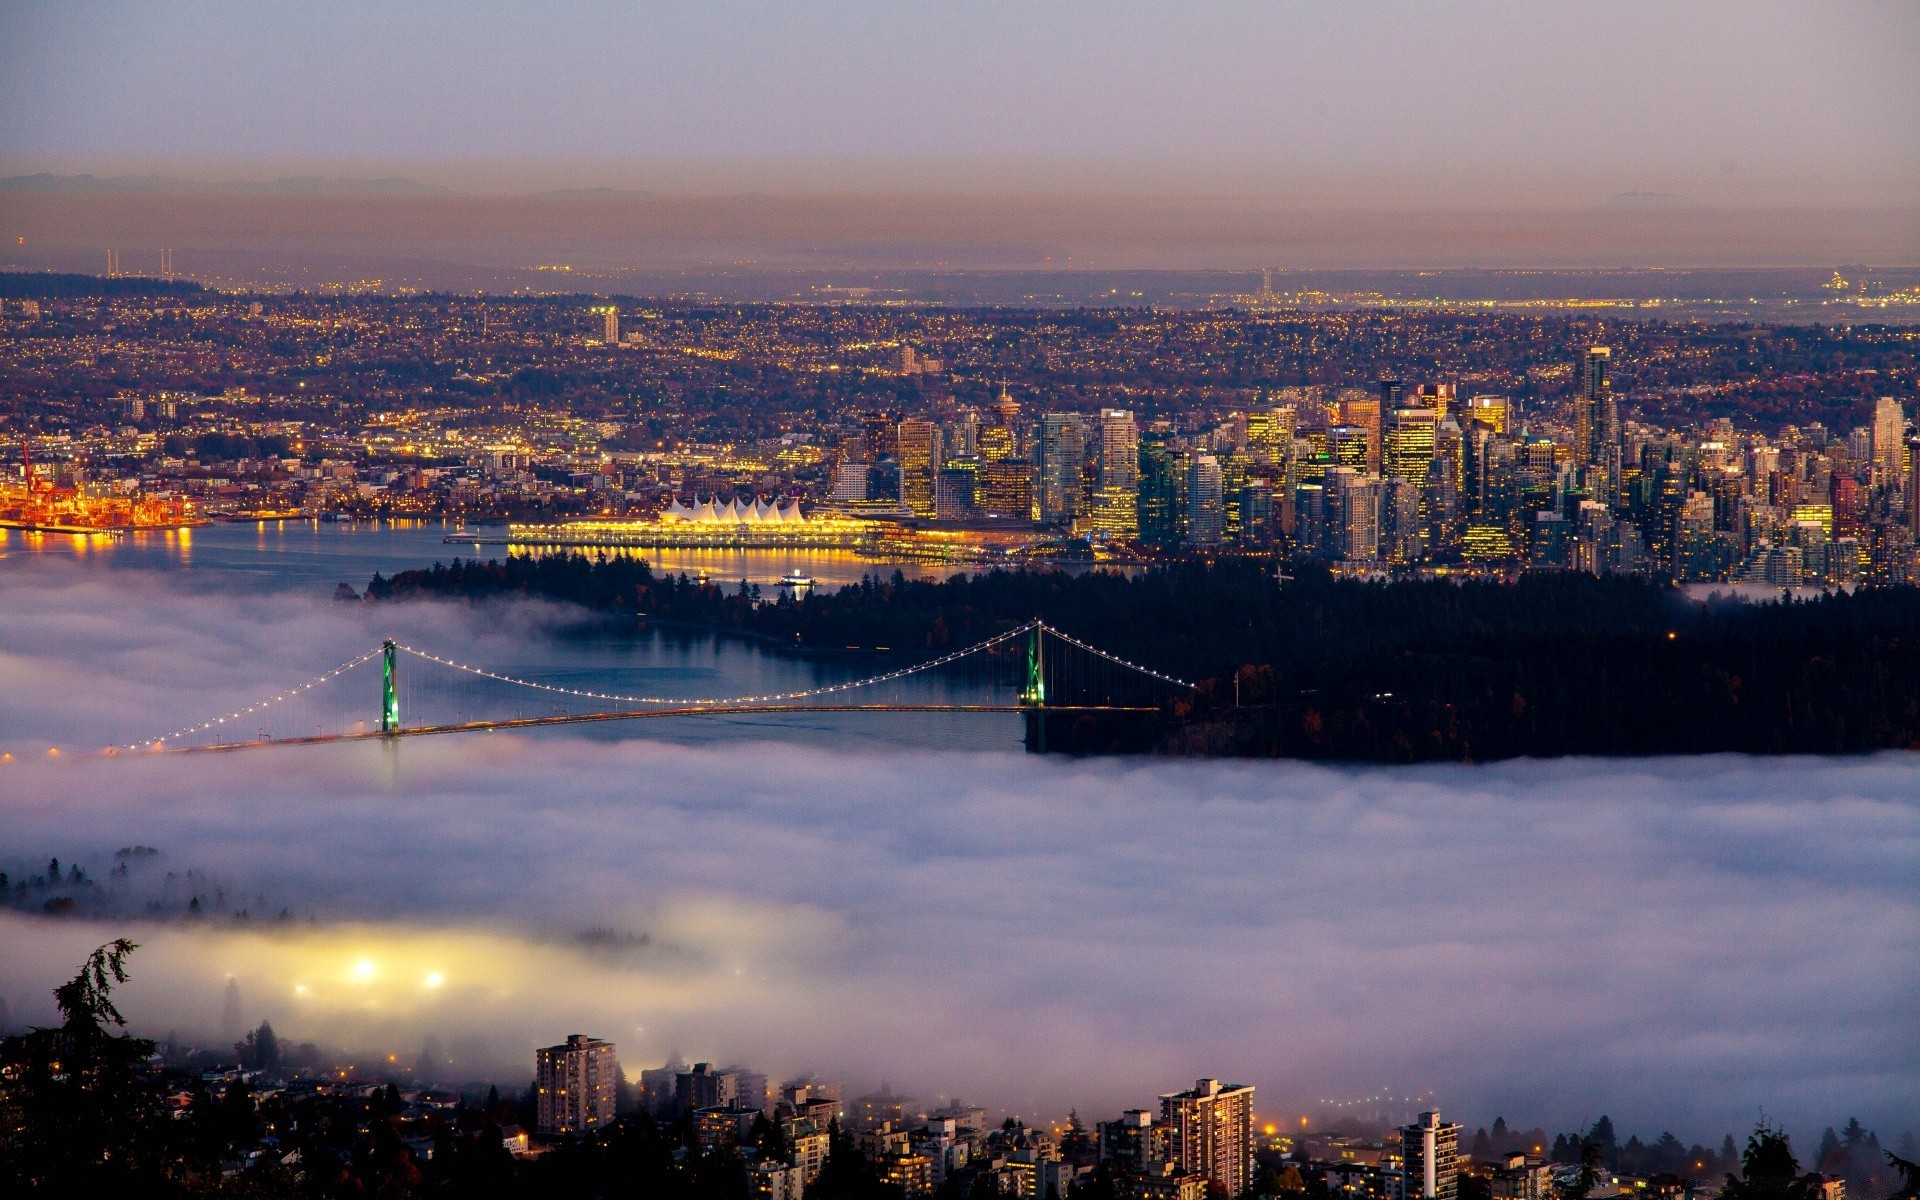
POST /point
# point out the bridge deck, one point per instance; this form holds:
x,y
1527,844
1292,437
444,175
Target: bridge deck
x,y
708,710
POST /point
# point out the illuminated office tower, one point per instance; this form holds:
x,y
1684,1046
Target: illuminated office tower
x,y
879,436
1206,502
1490,411
1351,446
1596,418
1429,1158
954,489
1439,397
610,325
1210,1133
1119,449
1159,496
575,1083
1410,444
1363,413
1889,440
917,442
1062,453
1270,432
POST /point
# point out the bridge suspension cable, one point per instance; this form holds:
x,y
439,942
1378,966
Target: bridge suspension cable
x,y
255,707
1035,696
1098,653
703,702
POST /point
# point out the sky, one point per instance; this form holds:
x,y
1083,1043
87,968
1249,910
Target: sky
x,y
1478,102
1677,943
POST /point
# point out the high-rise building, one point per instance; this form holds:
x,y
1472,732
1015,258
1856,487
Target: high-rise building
x,y
1596,418
1363,413
1060,456
1270,432
1351,446
917,441
878,436
1206,502
954,488
609,325
1159,496
1210,1133
1890,440
1429,1159
1119,450
1490,411
1353,503
575,1083
1410,445
707,1087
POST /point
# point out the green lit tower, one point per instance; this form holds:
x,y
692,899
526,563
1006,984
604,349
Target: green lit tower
x,y
389,699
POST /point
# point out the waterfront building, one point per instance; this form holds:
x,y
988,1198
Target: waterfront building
x,y
575,1084
918,443
954,489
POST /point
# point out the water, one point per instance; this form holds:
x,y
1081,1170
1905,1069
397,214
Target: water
x,y
302,562
272,555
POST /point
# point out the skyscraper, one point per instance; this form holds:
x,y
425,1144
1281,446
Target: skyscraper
x,y
610,325
1159,496
1410,445
1119,449
1363,413
917,441
1596,418
1210,1133
1889,440
1061,454
575,1083
1206,503
1429,1156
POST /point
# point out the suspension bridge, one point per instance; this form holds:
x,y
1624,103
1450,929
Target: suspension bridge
x,y
1033,669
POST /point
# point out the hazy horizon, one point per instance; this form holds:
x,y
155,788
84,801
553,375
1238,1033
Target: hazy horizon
x,y
1217,135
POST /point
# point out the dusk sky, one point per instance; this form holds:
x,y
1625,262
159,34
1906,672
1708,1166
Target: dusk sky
x,y
1425,106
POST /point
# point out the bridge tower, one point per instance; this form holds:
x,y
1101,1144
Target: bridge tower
x,y
1034,694
389,699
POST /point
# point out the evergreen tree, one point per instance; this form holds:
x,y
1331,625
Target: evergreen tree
x,y
1769,1171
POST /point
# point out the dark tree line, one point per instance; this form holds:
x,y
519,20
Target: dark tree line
x,y
1319,668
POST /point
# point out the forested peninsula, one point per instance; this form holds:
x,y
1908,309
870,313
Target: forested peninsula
x,y
1342,670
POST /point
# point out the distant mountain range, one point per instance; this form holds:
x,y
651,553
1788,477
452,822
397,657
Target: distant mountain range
x,y
292,185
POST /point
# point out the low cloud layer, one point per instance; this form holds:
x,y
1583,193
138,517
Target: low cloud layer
x,y
1680,943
